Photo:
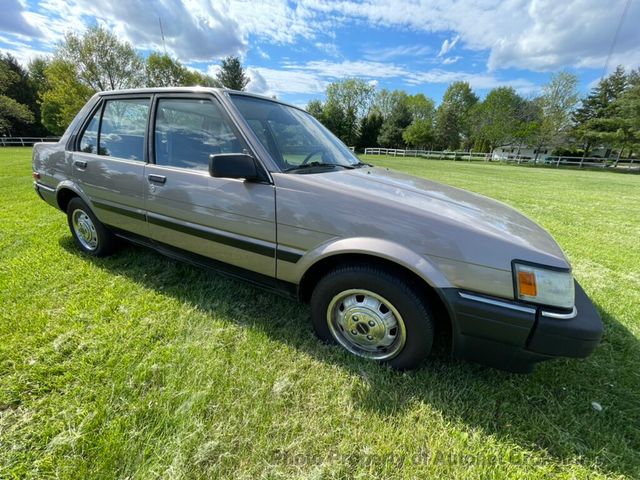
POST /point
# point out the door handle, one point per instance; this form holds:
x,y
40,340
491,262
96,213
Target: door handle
x,y
157,178
80,164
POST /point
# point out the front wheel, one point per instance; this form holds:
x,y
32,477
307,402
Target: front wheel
x,y
373,314
88,232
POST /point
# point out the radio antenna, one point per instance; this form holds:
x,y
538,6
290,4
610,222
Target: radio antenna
x,y
164,46
615,38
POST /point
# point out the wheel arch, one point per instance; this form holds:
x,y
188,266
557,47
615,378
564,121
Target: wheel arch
x,y
428,289
65,192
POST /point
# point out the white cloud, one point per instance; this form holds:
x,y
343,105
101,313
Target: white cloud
x,y
277,82
535,35
448,45
213,69
382,54
313,77
258,84
328,48
347,68
264,55
193,29
478,81
451,60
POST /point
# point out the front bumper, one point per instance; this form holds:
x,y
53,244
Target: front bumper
x,y
515,336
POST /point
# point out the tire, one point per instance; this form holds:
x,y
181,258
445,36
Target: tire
x,y
373,314
90,235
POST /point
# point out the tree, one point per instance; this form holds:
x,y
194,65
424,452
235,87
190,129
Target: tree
x,y
629,107
419,134
622,126
22,91
333,118
391,131
497,119
231,74
557,102
11,111
600,104
353,97
314,107
369,130
163,71
452,125
421,107
385,101
199,79
529,121
64,97
101,61
83,65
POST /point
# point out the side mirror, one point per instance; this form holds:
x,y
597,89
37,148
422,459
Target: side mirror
x,y
233,165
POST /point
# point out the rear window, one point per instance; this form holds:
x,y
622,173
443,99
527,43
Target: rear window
x,y
117,129
122,129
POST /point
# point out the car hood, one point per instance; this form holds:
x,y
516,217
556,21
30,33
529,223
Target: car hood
x,y
460,207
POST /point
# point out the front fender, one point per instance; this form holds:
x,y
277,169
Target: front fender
x,y
376,247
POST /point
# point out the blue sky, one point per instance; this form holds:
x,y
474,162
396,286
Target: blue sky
x,y
293,49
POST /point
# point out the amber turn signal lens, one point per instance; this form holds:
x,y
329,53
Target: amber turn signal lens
x,y
527,284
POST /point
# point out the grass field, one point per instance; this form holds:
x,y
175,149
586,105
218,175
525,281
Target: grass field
x,y
137,366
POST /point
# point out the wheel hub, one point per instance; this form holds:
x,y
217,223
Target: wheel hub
x,y
85,230
366,324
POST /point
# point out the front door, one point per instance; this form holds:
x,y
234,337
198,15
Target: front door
x,y
228,220
109,162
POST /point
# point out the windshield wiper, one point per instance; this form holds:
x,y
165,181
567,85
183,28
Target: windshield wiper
x,y
317,164
362,164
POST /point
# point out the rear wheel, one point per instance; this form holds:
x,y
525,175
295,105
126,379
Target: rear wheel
x,y
89,233
373,314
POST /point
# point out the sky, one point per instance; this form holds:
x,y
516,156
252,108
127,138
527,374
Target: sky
x,y
294,49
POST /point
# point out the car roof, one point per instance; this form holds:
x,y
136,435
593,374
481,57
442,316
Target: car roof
x,y
194,89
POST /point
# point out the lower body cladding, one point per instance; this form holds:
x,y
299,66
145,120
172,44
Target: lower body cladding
x,y
515,336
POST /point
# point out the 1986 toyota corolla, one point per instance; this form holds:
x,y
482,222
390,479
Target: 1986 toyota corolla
x,y
260,190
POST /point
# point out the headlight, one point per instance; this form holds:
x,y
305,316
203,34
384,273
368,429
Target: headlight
x,y
541,285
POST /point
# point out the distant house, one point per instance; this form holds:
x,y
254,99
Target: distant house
x,y
515,152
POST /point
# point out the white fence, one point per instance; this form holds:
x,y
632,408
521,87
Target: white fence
x,y
25,141
631,164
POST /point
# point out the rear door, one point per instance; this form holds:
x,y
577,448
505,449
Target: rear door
x,y
228,220
109,160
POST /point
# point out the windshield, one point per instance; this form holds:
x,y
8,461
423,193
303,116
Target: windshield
x,y
296,141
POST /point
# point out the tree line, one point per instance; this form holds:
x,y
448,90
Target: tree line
x,y
557,119
44,97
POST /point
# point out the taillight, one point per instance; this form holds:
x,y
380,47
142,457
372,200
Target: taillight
x,y
35,175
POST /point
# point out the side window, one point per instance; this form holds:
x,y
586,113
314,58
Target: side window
x,y
188,130
123,127
89,139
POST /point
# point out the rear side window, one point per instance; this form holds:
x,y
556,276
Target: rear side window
x,y
123,127
89,140
188,130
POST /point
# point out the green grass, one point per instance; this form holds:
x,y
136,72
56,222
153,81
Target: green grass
x,y
137,366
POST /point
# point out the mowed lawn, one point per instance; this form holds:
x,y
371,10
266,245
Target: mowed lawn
x,y
137,366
